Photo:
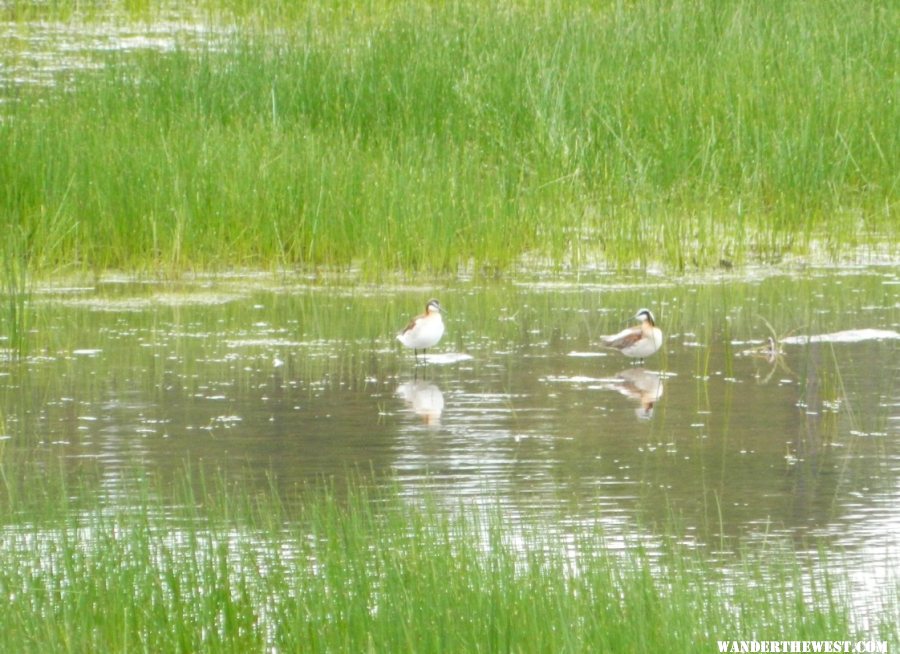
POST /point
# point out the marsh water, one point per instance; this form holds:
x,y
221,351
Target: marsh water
x,y
269,379
286,380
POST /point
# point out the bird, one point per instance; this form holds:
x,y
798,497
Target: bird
x,y
640,341
424,331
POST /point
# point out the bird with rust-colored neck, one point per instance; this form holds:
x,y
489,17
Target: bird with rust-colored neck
x,y
637,342
424,331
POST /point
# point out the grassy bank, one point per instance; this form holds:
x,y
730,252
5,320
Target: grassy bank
x,y
351,572
418,138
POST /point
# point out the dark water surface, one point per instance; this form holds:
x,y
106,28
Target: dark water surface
x,y
266,379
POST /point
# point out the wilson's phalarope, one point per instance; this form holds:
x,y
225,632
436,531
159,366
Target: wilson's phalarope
x,y
637,342
424,331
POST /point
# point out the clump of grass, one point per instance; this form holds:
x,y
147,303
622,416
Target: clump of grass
x,y
418,137
353,570
15,289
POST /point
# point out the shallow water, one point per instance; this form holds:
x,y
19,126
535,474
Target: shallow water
x,y
518,402
285,382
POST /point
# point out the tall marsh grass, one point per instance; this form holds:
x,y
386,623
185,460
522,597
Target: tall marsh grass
x,y
351,571
16,315
424,137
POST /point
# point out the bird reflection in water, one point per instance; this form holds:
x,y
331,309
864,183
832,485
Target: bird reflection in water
x,y
424,399
641,385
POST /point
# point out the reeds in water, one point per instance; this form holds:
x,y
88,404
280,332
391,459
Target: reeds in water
x,y
427,138
358,570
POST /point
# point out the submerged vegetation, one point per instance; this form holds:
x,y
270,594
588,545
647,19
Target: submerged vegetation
x,y
434,137
346,571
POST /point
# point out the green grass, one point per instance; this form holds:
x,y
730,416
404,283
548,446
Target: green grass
x,y
429,139
355,571
16,315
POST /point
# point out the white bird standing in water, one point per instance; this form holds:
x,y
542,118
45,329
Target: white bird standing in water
x,y
640,341
424,331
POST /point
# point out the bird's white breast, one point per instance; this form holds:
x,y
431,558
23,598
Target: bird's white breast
x,y
649,343
425,333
